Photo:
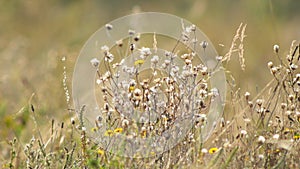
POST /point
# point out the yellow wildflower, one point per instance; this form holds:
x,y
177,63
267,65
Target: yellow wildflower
x,y
288,130
277,151
165,119
131,88
139,62
296,136
94,129
109,133
213,150
118,130
100,152
144,134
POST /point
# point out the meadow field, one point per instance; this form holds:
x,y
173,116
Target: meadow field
x,y
258,46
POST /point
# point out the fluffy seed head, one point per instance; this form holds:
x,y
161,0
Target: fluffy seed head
x,y
276,48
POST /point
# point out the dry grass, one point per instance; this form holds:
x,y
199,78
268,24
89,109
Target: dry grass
x,y
263,132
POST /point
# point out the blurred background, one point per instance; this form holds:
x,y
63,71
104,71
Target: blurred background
x,y
35,35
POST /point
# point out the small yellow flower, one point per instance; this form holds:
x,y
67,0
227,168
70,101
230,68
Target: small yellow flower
x,y
109,133
94,129
131,88
139,62
213,150
118,130
144,134
277,151
288,130
100,152
296,136
165,119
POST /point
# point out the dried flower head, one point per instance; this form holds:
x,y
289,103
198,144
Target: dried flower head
x,y
131,32
144,52
219,58
119,43
270,64
247,95
204,44
204,150
95,62
243,132
261,139
259,102
109,26
72,121
276,48
276,136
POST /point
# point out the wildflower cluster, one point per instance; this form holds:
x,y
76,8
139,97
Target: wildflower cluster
x,y
144,92
265,131
268,124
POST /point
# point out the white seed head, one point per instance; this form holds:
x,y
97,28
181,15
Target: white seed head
x,y
168,53
291,97
297,114
247,120
276,136
188,61
250,103
131,32
104,48
247,95
167,62
137,37
283,105
276,48
193,27
132,46
243,132
288,113
119,42
214,92
204,44
98,81
95,62
125,123
294,66
261,139
261,156
204,151
144,52
99,118
72,121
219,58
137,92
259,102
270,64
109,26
274,70
185,56
155,59
109,57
